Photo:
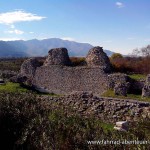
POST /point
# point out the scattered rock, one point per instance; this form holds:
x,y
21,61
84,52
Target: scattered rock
x,y
97,57
146,91
6,74
18,78
81,94
2,82
110,109
121,89
121,126
58,56
119,129
115,78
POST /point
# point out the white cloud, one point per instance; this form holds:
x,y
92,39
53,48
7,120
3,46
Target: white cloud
x,y
18,16
68,39
9,39
15,31
119,4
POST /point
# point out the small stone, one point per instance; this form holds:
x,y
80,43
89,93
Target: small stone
x,y
136,114
114,116
119,128
18,78
122,124
2,82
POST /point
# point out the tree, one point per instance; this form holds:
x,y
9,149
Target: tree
x,y
115,56
144,51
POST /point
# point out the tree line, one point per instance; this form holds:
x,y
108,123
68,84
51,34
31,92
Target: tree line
x,y
138,62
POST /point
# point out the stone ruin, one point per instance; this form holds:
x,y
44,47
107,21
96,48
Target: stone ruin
x,y
57,56
97,57
57,75
28,68
27,71
81,86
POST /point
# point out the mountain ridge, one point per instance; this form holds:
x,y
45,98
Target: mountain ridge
x,y
35,47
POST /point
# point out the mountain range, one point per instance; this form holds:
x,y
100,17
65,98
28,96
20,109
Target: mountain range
x,y
31,48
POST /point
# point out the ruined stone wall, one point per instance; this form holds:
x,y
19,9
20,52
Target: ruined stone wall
x,y
106,109
63,79
57,75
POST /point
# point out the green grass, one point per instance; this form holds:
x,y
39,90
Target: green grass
x,y
16,87
110,93
106,126
137,76
12,87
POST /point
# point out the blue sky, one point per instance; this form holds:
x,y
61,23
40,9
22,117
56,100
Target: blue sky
x,y
119,25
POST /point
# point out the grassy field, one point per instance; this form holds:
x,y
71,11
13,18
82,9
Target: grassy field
x,y
12,87
17,88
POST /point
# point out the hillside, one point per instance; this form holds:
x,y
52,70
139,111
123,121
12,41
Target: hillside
x,y
36,47
8,50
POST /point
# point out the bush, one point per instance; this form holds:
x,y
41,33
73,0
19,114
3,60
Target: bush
x,y
78,61
138,65
29,122
14,64
116,56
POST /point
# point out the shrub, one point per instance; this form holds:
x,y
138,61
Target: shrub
x,y
29,122
14,64
78,61
116,56
139,65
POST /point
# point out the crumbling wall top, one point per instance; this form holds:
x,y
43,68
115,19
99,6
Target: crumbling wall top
x,y
97,57
57,56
